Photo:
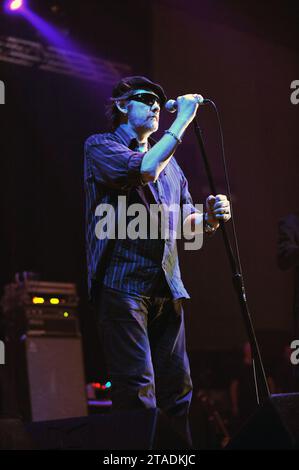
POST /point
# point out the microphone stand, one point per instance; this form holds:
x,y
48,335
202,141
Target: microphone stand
x,y
261,385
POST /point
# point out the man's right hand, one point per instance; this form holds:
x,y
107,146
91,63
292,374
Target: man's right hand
x,y
187,107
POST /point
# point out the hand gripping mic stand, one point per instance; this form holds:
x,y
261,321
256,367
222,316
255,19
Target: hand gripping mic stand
x,y
261,386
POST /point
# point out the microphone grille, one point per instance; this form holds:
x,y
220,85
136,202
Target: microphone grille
x,y
171,106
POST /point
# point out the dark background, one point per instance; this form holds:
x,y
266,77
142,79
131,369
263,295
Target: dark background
x,y
243,55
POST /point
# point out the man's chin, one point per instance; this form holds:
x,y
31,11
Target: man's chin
x,y
154,126
151,126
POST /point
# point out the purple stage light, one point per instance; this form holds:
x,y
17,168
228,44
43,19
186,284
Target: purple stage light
x,y
14,6
70,59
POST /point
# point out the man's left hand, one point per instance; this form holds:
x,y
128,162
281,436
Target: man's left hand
x,y
218,208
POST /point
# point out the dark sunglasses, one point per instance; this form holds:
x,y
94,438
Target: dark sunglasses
x,y
146,98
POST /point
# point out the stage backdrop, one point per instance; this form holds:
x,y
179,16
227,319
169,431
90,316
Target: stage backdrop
x,y
244,57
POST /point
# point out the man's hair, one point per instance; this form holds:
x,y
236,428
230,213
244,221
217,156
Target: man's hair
x,y
113,116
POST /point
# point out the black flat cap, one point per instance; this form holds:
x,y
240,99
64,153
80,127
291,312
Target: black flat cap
x,y
128,84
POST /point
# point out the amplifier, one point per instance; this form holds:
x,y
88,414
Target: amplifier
x,y
52,321
43,362
38,308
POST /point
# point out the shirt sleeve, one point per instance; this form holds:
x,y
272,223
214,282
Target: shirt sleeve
x,y
113,164
288,247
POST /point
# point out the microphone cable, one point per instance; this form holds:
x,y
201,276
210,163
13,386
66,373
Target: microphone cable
x,y
223,157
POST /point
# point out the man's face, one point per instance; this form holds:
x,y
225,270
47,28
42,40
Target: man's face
x,y
144,111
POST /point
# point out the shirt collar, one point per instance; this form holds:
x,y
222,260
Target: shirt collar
x,y
128,138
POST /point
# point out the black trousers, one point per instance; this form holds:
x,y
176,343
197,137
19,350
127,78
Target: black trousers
x,y
144,344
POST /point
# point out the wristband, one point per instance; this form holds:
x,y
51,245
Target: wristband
x,y
173,135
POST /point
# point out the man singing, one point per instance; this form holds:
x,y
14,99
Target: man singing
x,y
135,283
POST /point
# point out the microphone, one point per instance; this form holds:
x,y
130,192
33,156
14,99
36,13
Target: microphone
x,y
171,105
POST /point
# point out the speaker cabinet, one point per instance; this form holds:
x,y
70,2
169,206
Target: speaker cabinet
x,y
123,430
50,379
275,425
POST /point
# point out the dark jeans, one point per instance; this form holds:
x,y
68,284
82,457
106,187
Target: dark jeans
x,y
144,344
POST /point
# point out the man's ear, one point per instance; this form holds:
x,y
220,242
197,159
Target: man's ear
x,y
121,106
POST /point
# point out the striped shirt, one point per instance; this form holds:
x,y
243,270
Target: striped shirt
x,y
141,266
